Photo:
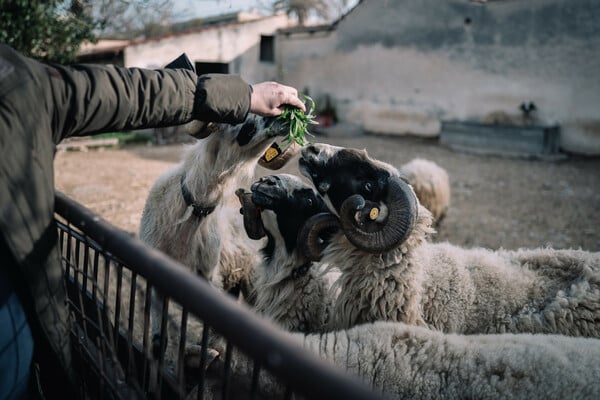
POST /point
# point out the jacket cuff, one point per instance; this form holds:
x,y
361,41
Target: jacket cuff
x,y
221,98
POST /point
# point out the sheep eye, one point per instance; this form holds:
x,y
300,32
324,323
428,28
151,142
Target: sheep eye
x,y
368,187
309,202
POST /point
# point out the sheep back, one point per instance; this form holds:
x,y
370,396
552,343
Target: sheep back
x,y
431,185
406,361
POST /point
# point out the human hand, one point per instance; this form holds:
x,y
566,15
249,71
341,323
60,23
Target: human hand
x,y
269,98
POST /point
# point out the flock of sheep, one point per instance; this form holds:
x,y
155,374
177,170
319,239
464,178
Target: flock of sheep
x,y
343,261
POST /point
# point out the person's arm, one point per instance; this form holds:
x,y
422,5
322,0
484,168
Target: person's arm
x,y
88,99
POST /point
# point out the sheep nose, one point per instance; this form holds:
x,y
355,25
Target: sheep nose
x,y
312,149
323,186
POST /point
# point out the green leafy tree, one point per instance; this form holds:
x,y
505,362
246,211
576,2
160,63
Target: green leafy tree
x,y
126,19
303,9
49,30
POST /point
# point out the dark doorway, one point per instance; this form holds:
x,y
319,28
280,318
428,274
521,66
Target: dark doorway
x,y
267,48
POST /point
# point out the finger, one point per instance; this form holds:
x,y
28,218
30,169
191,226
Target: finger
x,y
296,102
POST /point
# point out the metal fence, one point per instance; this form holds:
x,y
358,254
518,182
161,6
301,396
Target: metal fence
x,y
109,275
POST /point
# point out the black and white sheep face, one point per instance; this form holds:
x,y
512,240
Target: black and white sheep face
x,y
338,173
278,207
232,144
377,208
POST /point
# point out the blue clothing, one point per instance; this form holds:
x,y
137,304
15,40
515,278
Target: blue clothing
x,y
16,349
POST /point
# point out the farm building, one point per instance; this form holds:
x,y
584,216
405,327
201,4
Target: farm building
x,y
406,66
232,47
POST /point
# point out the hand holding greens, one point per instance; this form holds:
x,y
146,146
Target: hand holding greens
x,y
298,121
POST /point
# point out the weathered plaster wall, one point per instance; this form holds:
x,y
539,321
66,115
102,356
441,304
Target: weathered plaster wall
x,y
401,66
236,44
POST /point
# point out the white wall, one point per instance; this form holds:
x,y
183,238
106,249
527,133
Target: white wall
x,y
402,66
237,44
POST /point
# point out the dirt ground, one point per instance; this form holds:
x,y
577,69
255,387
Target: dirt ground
x,y
496,202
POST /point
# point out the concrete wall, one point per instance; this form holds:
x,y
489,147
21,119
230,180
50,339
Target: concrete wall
x,y
401,66
236,44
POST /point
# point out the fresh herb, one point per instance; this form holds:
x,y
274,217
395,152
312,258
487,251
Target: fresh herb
x,y
298,121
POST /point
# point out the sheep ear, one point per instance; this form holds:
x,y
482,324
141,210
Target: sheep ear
x,y
252,220
275,159
199,129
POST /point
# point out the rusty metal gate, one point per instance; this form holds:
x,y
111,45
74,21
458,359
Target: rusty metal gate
x,y
109,275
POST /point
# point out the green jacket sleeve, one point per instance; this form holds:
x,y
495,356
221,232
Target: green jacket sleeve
x,y
88,99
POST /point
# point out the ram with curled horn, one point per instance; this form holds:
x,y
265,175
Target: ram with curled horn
x,y
290,287
377,208
390,271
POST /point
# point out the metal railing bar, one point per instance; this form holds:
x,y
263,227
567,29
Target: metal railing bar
x,y
61,239
95,274
68,252
130,322
255,376
181,352
85,265
100,359
288,393
77,257
203,357
118,293
146,343
106,287
227,371
256,337
164,320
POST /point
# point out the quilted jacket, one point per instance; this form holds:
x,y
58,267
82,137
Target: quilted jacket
x,y
41,104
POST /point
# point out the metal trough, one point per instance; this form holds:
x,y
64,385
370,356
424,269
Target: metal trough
x,y
526,141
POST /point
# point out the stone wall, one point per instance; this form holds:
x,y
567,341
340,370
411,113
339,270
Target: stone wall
x,y
403,66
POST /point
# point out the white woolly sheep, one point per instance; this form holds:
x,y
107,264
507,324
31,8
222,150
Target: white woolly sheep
x,y
391,272
404,361
289,288
431,185
186,214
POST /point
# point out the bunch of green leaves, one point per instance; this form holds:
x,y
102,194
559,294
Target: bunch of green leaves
x,y
297,121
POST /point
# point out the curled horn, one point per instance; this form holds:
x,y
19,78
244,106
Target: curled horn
x,y
281,159
310,239
375,236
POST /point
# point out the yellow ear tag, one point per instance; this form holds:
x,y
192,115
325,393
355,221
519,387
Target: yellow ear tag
x,y
374,213
271,153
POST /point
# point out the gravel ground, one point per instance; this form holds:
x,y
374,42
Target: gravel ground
x,y
496,202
